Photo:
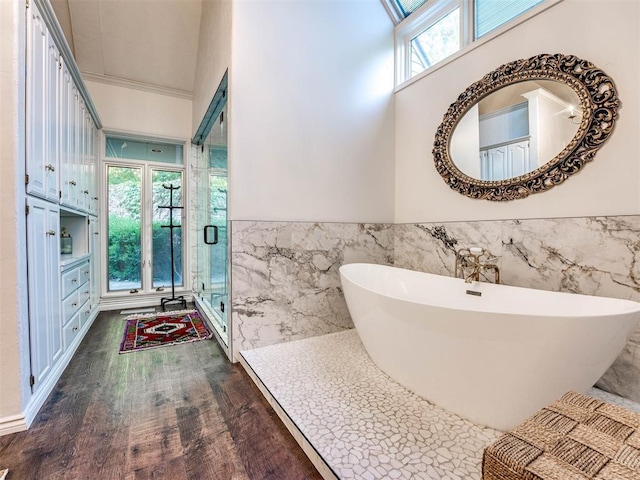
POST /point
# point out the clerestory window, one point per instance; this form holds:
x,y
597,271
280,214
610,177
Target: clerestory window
x,y
429,32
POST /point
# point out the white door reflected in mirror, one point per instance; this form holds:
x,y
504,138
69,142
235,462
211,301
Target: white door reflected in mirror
x,y
515,130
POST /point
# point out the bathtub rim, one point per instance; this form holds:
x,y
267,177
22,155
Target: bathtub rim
x,y
630,305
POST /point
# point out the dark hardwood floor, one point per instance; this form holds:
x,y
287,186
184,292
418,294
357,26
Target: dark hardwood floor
x,y
177,412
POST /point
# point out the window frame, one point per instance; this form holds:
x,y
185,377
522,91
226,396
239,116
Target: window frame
x,y
429,14
147,291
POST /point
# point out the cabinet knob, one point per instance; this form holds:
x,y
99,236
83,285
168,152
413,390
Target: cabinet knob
x,y
86,192
50,167
72,182
74,280
94,198
74,328
74,304
51,232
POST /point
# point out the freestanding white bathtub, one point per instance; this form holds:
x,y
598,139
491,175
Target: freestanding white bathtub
x,y
494,359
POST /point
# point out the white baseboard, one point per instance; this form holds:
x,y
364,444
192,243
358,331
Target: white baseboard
x,y
12,424
151,300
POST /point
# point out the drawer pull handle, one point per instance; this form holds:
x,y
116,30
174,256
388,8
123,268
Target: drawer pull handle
x,y
72,182
51,232
86,192
50,167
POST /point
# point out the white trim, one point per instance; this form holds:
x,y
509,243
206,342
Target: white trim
x,y
429,14
151,300
400,29
114,299
142,137
12,424
144,87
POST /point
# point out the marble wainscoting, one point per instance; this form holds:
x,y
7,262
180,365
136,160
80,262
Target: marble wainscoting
x,y
285,280
589,255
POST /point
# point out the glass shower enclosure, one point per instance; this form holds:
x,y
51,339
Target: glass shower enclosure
x,y
212,263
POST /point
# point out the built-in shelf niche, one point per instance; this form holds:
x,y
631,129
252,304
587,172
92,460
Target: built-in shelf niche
x,y
77,226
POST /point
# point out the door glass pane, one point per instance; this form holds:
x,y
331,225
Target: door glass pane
x,y
212,251
141,150
124,228
436,43
165,238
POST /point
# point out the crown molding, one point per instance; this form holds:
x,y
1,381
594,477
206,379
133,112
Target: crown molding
x,y
145,87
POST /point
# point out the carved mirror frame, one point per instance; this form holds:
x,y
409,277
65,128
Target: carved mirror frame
x,y
599,104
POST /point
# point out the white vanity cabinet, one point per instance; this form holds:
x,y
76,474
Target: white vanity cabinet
x,y
61,184
75,294
43,247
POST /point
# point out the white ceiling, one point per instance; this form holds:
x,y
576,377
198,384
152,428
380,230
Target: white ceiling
x,y
144,42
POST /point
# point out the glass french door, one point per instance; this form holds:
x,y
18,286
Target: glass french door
x,y
212,219
139,240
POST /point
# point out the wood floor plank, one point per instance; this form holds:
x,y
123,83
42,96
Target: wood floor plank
x,y
178,412
256,431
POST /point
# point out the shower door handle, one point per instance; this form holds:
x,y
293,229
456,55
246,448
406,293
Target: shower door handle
x,y
206,234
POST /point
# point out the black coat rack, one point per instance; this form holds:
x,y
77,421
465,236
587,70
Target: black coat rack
x,y
171,226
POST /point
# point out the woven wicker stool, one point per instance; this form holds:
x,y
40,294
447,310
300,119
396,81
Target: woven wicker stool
x,y
576,438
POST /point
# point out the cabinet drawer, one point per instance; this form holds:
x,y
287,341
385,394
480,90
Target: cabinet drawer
x,y
70,331
84,314
70,282
69,307
83,273
83,294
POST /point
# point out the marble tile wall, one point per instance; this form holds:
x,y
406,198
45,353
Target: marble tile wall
x,y
590,255
285,280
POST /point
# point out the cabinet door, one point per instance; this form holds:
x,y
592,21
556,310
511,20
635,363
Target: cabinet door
x,y
36,102
92,161
68,177
44,287
94,261
52,95
80,163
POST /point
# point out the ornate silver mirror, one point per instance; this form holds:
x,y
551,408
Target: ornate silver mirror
x,y
525,127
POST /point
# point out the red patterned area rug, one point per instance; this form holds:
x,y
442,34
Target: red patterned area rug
x,y
161,329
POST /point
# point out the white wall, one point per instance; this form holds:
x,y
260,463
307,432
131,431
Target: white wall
x,y
610,185
14,347
311,117
137,111
214,54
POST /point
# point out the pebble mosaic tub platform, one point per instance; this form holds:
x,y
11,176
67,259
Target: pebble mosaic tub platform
x,y
359,422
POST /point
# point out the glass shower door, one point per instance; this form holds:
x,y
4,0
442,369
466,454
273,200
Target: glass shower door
x,y
212,250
